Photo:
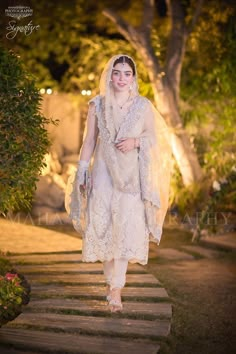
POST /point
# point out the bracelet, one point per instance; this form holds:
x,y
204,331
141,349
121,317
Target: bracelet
x,y
135,143
83,164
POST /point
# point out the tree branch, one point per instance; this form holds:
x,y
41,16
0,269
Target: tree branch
x,y
148,16
176,46
196,15
123,27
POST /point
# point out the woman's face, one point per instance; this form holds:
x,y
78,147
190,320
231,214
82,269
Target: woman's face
x,y
122,77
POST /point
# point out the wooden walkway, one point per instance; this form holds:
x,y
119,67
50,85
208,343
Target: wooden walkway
x,y
68,312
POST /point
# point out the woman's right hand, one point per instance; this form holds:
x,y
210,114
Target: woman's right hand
x,y
82,188
81,176
86,186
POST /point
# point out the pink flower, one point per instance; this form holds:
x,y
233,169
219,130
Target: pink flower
x,y
10,276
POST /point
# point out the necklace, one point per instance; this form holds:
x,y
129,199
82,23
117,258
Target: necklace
x,y
123,104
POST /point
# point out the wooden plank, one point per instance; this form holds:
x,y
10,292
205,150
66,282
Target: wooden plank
x,y
96,325
10,350
141,279
73,268
46,258
69,343
97,291
99,307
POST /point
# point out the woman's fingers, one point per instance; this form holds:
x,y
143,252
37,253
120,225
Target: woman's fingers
x,y
119,145
122,143
125,144
82,188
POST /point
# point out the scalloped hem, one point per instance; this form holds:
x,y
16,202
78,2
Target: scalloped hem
x,y
99,259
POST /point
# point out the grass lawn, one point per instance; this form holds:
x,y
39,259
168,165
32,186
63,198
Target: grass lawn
x,y
203,295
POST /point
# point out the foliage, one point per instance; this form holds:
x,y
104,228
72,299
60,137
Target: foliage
x,y
14,292
208,108
75,40
221,199
73,44
57,39
207,207
22,133
4,265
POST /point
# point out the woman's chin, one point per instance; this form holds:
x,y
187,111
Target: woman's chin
x,y
121,89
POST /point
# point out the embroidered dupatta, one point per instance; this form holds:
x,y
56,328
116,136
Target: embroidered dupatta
x,y
152,175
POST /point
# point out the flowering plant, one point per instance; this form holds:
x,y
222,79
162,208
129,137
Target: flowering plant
x,y
221,199
14,292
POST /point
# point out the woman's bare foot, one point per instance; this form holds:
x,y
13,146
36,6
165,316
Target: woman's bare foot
x,y
115,303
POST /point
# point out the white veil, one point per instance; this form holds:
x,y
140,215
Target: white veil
x,y
155,159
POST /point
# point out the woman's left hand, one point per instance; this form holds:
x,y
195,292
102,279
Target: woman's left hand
x,y
125,144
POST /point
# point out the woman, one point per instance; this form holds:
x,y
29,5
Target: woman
x,y
127,153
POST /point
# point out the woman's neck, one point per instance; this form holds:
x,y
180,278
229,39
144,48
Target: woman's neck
x,y
121,96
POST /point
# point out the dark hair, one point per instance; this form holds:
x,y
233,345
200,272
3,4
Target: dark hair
x,y
125,59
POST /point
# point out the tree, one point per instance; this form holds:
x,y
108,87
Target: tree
x,y
65,59
24,139
166,87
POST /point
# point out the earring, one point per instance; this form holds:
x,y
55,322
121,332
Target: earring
x,y
131,87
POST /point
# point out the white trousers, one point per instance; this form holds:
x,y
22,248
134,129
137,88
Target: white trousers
x,y
115,272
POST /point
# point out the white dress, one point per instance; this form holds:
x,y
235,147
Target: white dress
x,y
129,198
116,219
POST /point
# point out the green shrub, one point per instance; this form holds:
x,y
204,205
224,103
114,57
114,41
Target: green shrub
x,y
24,139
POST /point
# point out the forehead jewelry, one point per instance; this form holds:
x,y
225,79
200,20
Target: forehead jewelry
x,y
123,61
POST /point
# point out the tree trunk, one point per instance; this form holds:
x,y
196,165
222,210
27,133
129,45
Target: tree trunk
x,y
186,158
165,88
166,103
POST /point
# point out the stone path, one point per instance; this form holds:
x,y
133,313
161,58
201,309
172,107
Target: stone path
x,y
68,313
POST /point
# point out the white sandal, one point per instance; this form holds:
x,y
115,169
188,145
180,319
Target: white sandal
x,y
114,304
108,296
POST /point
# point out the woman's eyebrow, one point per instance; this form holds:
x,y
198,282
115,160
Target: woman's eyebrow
x,y
126,71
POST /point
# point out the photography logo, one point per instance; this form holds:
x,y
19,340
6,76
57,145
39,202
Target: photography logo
x,y
19,12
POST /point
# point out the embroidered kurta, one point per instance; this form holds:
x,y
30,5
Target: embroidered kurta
x,y
116,226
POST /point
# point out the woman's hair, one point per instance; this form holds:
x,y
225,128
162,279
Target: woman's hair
x,y
125,59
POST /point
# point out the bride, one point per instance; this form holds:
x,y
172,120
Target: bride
x,y
118,197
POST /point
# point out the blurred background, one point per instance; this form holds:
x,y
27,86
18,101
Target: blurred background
x,y
52,54
186,55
